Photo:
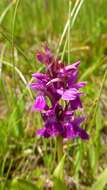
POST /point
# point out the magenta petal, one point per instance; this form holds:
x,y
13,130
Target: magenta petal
x,y
75,104
60,91
69,68
43,132
37,86
40,132
71,79
80,84
82,134
39,103
40,57
70,94
75,65
40,76
69,132
72,67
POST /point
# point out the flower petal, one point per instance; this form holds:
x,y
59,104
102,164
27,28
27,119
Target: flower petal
x,y
75,65
40,76
75,104
60,91
70,94
40,57
43,132
69,68
39,103
69,132
53,127
82,133
71,79
37,86
80,84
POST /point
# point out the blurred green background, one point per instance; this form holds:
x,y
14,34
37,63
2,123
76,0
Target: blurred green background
x,y
26,161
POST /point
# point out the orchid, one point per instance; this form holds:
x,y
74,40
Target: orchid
x,y
58,84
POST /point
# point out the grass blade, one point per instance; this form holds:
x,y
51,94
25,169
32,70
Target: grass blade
x,y
101,182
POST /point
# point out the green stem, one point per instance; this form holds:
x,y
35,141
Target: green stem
x,y
59,148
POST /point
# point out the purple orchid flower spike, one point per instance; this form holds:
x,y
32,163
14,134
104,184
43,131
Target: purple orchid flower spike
x,y
58,82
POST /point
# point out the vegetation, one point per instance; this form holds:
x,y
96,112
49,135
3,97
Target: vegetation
x,y
75,30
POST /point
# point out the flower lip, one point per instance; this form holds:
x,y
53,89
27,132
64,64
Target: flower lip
x,y
39,103
69,94
82,134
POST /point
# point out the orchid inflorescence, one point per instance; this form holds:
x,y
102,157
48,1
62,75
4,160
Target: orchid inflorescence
x,y
58,97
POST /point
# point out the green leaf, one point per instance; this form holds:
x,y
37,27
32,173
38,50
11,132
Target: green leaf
x,y
1,186
79,158
92,156
58,184
95,144
3,137
101,182
98,122
58,173
19,184
59,176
